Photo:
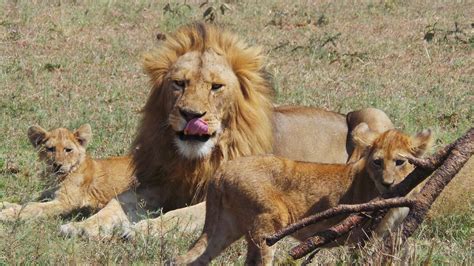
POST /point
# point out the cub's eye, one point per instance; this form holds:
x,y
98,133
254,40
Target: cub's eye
x,y
377,162
68,150
180,84
400,162
216,87
50,149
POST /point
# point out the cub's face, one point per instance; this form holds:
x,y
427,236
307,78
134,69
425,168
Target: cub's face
x,y
60,149
386,159
201,88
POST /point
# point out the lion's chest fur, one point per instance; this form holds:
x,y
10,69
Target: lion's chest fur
x,y
177,183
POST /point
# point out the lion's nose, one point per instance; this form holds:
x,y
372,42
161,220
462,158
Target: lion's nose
x,y
56,167
189,114
387,183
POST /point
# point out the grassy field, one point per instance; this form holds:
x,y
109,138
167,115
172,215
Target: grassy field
x,y
64,63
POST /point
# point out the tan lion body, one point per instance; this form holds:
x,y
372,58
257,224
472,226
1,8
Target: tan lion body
x,y
83,182
256,196
203,72
317,135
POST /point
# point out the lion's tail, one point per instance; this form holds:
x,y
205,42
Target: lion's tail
x,y
214,207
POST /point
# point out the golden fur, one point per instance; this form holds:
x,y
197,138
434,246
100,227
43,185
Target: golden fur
x,y
243,108
256,196
204,71
82,182
299,133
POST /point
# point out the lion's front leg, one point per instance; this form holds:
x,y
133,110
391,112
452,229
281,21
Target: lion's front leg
x,y
34,210
185,220
101,225
5,205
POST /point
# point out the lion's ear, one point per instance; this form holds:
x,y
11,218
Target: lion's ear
x,y
83,134
363,136
37,135
161,36
422,141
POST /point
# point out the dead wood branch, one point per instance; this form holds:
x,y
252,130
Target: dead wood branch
x,y
443,166
458,156
339,210
324,237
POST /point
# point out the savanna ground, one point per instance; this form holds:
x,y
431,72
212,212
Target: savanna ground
x,y
64,63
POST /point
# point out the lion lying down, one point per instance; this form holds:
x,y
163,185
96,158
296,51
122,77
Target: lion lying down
x,y
256,196
83,181
211,102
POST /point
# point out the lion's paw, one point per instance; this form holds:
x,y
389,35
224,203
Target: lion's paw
x,y
6,205
10,214
147,227
159,227
70,230
85,230
129,233
92,231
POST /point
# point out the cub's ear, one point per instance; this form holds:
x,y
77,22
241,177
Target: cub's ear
x,y
363,136
83,134
36,134
160,36
422,142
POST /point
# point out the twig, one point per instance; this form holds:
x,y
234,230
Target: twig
x,y
341,209
419,174
427,53
434,161
324,237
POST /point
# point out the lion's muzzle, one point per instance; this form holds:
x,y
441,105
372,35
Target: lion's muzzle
x,y
196,129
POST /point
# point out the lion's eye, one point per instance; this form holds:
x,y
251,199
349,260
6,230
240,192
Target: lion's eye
x,y
377,162
400,162
50,149
68,150
216,87
180,84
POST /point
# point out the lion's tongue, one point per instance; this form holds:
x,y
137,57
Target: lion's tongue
x,y
196,126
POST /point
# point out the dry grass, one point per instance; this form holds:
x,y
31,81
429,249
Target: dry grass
x,y
64,63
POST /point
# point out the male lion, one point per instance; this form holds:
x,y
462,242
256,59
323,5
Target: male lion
x,y
259,195
83,182
210,103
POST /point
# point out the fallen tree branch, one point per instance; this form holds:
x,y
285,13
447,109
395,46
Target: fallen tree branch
x,y
436,159
445,164
458,156
324,237
339,210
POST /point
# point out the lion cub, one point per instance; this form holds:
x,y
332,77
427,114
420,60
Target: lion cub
x,y
256,196
83,181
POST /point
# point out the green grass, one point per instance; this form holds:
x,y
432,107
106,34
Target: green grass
x,y
65,63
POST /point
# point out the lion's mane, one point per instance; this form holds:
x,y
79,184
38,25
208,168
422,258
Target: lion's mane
x,y
247,131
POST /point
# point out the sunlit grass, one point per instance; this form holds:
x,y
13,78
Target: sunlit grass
x,y
65,63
